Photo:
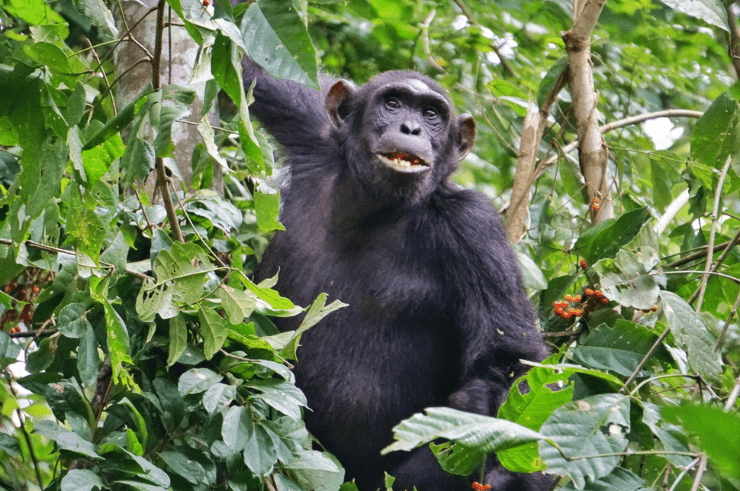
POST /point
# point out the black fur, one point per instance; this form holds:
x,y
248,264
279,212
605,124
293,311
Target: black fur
x,y
437,313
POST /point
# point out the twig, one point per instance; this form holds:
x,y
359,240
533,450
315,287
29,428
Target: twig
x,y
645,358
728,321
195,229
702,251
699,472
683,472
730,403
715,273
667,113
26,436
471,18
699,294
48,248
169,206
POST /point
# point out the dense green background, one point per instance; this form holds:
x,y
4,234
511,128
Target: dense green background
x,y
152,364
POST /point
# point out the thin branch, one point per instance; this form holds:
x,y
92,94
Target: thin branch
x,y
471,18
699,294
645,358
696,255
26,436
699,473
692,271
683,472
733,396
668,113
48,248
169,206
728,321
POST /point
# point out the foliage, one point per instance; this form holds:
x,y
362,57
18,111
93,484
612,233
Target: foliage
x,y
146,363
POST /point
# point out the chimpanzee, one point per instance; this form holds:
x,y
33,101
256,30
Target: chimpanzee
x,y
437,312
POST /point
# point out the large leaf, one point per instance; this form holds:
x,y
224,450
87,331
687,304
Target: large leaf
x,y
607,238
585,430
620,348
718,434
692,335
714,136
266,47
480,434
545,389
627,280
710,11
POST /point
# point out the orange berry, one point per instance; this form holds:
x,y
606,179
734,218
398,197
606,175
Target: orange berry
x,y
577,298
567,315
588,292
598,294
477,486
486,487
654,308
206,3
604,300
559,311
584,264
569,298
36,289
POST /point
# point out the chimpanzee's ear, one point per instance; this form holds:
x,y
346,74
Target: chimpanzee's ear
x,y
336,101
466,135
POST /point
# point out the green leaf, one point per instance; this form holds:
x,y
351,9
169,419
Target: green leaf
x,y
713,137
180,276
710,11
477,433
269,50
88,362
692,335
259,453
237,303
619,349
118,341
213,329
672,437
197,380
267,206
115,125
218,395
184,467
315,313
81,480
627,281
550,80
718,434
607,238
178,339
237,428
283,396
588,428
547,389
316,471
40,179
98,13
72,442
292,31
619,480
72,322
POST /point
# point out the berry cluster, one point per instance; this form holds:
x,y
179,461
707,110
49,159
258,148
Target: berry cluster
x,y
23,293
596,294
481,487
563,308
595,204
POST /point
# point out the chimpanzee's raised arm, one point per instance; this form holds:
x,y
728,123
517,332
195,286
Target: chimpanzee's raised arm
x,y
293,113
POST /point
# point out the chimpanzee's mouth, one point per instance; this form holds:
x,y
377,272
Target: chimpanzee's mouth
x,y
403,162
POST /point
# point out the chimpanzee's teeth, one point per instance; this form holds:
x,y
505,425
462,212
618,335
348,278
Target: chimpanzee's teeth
x,y
395,161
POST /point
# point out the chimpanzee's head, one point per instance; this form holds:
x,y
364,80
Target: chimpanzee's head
x,y
399,134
